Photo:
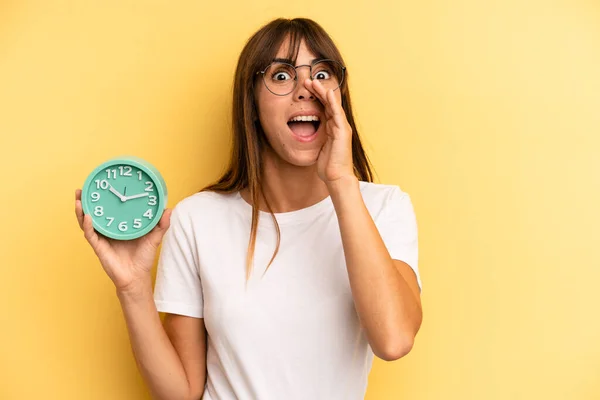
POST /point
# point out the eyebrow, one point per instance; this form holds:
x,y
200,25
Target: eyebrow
x,y
291,62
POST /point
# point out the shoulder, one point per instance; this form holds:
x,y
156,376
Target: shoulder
x,y
203,205
385,201
379,194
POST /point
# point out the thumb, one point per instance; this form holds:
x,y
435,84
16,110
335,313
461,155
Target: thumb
x,y
155,236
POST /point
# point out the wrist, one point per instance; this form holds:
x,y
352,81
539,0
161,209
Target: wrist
x,y
345,194
136,290
343,185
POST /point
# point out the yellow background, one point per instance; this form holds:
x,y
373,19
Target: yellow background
x,y
486,112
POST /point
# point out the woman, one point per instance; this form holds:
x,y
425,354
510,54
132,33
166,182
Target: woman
x,y
285,277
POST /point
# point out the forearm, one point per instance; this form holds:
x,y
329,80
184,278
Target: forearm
x,y
155,356
387,307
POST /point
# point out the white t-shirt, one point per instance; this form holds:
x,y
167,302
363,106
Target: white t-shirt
x,y
293,333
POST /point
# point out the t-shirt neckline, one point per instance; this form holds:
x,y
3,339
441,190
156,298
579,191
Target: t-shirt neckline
x,y
290,217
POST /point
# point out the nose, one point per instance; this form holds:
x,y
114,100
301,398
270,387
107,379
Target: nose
x,y
301,92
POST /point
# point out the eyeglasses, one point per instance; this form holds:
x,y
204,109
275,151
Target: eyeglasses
x,y
281,78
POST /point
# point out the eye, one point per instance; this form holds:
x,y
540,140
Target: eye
x,y
281,76
322,75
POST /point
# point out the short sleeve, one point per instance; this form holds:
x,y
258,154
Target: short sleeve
x,y
398,229
178,289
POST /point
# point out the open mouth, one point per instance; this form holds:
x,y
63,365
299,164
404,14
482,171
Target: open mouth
x,y
304,126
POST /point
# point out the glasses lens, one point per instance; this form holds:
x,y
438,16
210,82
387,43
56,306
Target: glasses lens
x,y
330,73
280,78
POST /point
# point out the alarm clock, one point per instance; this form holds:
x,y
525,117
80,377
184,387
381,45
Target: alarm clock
x,y
125,196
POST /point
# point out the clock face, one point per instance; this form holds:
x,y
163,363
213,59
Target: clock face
x,y
124,200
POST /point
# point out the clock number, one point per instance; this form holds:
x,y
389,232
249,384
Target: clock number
x,y
113,171
139,175
125,170
152,201
150,186
95,197
137,223
99,211
148,214
110,220
123,226
101,184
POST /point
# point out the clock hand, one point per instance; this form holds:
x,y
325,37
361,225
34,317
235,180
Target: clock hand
x,y
119,195
136,196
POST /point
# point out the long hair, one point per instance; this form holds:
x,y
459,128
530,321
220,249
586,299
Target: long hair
x,y
244,169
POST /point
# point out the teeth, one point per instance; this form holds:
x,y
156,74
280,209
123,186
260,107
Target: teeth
x,y
304,118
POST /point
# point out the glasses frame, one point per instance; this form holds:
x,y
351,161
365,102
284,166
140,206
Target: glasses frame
x,y
295,68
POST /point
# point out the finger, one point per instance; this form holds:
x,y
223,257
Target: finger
x,y
89,233
334,105
333,112
321,95
78,208
317,89
165,220
330,102
156,235
79,213
338,116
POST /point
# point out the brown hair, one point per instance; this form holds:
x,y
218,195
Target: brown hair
x,y
244,169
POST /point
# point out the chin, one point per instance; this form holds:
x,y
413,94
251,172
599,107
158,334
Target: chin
x,y
304,162
301,158
301,161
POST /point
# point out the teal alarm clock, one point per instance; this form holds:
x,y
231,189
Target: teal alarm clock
x,y
125,196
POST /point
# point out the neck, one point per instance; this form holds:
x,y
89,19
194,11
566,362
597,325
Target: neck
x,y
288,187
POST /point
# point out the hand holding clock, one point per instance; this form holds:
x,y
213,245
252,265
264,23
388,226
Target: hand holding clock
x,y
125,237
126,262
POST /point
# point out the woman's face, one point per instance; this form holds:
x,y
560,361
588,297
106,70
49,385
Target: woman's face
x,y
297,143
